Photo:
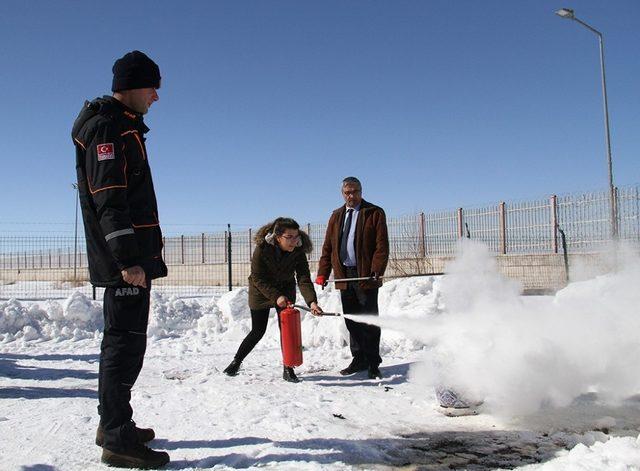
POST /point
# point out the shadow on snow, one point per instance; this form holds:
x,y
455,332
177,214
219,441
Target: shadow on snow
x,y
394,374
482,450
11,368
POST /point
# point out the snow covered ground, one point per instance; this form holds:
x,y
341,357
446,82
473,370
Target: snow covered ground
x,y
560,377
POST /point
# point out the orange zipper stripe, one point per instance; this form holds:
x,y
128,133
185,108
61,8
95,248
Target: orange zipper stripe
x,y
144,154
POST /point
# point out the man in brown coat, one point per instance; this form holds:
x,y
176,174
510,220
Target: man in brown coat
x,y
357,245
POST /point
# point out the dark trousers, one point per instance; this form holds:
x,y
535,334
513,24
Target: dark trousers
x,y
259,320
126,315
364,339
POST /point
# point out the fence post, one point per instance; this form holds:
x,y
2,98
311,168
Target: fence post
x,y
164,249
423,248
503,228
182,248
249,244
615,212
229,257
224,250
565,254
202,247
554,223
460,224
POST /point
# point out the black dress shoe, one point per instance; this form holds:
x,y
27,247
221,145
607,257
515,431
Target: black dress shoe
x,y
374,372
353,367
289,375
233,368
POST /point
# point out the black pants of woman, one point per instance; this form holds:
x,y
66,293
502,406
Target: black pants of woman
x,y
259,320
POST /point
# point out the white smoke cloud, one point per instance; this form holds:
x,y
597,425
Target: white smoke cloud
x,y
519,354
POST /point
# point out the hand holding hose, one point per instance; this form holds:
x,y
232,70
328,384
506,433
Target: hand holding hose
x,y
315,309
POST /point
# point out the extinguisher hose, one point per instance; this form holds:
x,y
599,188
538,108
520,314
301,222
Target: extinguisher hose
x,y
304,308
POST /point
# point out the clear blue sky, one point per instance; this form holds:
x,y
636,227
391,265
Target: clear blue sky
x,y
266,105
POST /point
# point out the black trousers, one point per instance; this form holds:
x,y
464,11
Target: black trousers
x,y
259,320
364,339
126,315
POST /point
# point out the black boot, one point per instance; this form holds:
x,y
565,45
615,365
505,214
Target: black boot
x,y
374,372
138,456
144,434
130,452
289,375
233,368
355,366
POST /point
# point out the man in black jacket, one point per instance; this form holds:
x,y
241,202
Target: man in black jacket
x,y
124,246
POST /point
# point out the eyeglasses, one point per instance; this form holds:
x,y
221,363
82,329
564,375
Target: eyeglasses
x,y
290,237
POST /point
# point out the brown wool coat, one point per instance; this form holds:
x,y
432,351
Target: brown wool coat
x,y
371,240
271,278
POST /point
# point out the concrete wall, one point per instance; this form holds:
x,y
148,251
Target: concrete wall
x,y
545,272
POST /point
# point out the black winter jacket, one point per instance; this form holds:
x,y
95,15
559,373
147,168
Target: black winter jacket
x,y
116,192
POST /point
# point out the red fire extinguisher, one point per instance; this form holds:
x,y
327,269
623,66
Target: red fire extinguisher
x,y
291,336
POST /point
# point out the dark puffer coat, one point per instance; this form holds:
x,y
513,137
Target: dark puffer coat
x,y
274,271
116,192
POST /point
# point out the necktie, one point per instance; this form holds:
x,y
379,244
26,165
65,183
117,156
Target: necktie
x,y
344,254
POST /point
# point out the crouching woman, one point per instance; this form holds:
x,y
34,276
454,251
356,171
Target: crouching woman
x,y
279,259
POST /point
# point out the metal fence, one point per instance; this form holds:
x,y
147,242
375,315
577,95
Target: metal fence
x,y
37,267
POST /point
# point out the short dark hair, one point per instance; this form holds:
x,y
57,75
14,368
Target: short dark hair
x,y
352,181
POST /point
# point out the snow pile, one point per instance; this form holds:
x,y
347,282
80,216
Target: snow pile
x,y
228,317
411,297
77,318
617,453
171,316
234,305
225,317
521,356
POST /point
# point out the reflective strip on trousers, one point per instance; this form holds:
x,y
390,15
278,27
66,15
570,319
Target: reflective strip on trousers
x,y
119,233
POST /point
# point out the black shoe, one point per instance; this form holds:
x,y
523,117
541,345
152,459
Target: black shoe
x,y
374,372
144,435
289,375
138,456
354,367
233,368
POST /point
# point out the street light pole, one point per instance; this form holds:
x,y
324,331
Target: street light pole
x,y
570,15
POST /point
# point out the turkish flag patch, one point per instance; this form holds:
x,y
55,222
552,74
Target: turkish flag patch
x,y
105,152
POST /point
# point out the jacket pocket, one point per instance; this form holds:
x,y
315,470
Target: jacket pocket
x,y
147,230
143,218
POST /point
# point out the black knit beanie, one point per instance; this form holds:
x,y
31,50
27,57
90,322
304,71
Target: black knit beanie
x,y
135,70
